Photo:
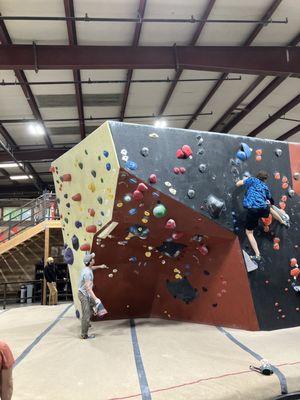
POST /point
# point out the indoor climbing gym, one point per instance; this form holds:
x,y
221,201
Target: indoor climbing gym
x,y
149,200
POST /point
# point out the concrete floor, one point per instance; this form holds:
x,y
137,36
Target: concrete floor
x,y
150,359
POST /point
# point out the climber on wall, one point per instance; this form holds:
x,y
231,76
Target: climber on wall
x,y
257,201
86,295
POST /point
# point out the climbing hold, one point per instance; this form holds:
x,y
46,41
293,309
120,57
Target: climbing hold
x,y
123,152
131,165
91,212
92,187
78,224
142,187
177,235
80,165
296,176
66,220
202,249
93,172
119,205
291,192
276,246
110,275
68,205
85,247
66,178
284,179
258,152
68,256
276,240
148,254
285,185
170,224
127,198
246,174
159,211
277,175
76,197
137,195
179,153
75,242
153,135
187,151
66,196
258,158
295,272
91,229
145,151
278,152
77,314
100,200
172,191
52,169
105,153
284,198
182,170
191,193
152,178
133,259
200,152
241,155
282,205
293,262
202,167
215,206
108,167
200,140
176,170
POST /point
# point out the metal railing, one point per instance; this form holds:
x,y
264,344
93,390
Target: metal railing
x,y
38,210
38,287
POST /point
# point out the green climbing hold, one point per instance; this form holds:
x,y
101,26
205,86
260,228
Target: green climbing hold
x,y
100,200
159,211
86,152
80,165
102,181
93,173
66,220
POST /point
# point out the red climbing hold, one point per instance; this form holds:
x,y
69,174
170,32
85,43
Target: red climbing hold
x,y
67,178
170,224
52,169
267,221
137,195
293,262
276,246
187,150
285,185
295,272
85,247
91,229
76,197
180,154
152,178
276,240
182,170
91,212
176,170
177,235
203,249
142,187
284,198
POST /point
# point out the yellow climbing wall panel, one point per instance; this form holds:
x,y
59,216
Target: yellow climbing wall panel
x,y
85,183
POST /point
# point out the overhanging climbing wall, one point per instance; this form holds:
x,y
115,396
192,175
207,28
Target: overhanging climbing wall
x,y
166,218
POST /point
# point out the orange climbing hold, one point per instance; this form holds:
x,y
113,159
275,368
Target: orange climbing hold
x,y
295,272
284,179
91,229
277,175
258,158
259,152
76,197
52,169
67,178
91,212
267,221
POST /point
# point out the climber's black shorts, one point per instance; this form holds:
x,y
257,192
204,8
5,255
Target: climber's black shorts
x,y
254,215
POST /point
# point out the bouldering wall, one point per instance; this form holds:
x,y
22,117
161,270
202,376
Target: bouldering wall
x,y
85,184
173,230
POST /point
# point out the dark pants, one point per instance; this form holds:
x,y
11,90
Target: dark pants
x,y
254,215
86,304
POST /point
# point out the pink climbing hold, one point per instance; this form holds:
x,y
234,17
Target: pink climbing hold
x,y
284,179
282,205
187,150
67,178
137,195
203,249
152,178
276,240
284,198
293,262
52,169
177,235
276,246
285,185
176,170
91,212
91,229
76,197
85,247
182,170
277,175
180,153
142,187
170,224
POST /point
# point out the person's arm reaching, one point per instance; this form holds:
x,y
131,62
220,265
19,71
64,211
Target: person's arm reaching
x,y
239,183
102,266
6,384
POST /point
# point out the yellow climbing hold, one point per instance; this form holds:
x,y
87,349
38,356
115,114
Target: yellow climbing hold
x,y
178,276
120,205
176,271
144,220
147,213
92,187
148,254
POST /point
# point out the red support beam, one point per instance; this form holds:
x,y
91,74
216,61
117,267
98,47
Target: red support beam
x,y
289,133
265,60
274,5
254,103
289,106
135,42
38,155
69,11
193,41
6,41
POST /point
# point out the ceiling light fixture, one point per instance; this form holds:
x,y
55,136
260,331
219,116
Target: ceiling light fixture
x,y
160,123
36,129
20,177
11,165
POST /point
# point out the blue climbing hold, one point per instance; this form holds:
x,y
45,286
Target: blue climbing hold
x,y
68,256
133,181
77,313
132,211
108,166
133,259
241,155
78,224
131,165
105,153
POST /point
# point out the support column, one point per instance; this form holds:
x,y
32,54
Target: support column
x,y
46,255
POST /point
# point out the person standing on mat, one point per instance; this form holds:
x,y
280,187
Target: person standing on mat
x,y
86,295
6,365
50,276
257,202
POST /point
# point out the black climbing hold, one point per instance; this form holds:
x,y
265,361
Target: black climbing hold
x,y
204,289
291,192
200,152
78,224
99,158
145,151
94,173
86,152
100,200
101,180
68,205
80,165
66,220
66,195
202,167
75,242
206,272
182,289
215,206
191,193
58,201
200,140
102,213
171,249
215,304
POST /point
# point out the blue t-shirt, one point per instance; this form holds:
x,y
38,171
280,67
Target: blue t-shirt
x,y
257,193
86,275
